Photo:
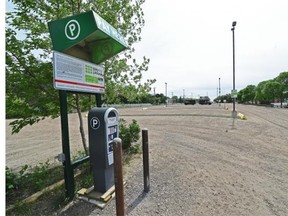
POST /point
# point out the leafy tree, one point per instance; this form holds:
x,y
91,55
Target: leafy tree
x,y
160,98
175,98
240,96
180,100
226,97
282,78
260,95
29,92
272,90
266,91
147,98
248,93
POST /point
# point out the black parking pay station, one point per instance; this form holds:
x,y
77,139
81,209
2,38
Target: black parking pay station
x,y
102,129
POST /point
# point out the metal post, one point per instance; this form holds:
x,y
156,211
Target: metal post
x,y
166,94
118,177
98,100
154,98
233,41
68,169
183,95
219,93
145,149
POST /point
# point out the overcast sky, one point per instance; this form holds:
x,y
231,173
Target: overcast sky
x,y
189,44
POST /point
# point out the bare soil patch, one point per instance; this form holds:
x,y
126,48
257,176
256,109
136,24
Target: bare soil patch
x,y
202,162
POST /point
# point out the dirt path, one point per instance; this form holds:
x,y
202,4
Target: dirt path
x,y
201,162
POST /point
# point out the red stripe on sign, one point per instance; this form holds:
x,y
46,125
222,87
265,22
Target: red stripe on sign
x,y
76,83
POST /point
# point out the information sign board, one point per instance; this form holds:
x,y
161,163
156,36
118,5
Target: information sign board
x,y
73,74
234,93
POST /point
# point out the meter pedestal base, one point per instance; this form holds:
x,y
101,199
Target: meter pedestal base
x,y
97,198
103,179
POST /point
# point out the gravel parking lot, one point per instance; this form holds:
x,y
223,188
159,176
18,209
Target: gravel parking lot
x,y
202,162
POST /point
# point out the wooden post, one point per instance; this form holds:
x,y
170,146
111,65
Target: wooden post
x,y
145,149
118,177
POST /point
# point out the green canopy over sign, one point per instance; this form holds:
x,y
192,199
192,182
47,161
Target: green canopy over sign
x,y
86,36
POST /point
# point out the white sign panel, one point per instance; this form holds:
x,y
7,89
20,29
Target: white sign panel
x,y
234,93
74,74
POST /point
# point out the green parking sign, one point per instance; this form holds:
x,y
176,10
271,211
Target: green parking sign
x,y
86,36
72,30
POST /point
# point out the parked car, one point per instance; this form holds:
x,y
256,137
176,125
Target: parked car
x,y
204,100
190,101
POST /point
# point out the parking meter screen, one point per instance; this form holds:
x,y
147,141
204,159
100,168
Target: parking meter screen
x,y
112,134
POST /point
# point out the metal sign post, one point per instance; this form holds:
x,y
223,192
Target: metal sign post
x,y
81,42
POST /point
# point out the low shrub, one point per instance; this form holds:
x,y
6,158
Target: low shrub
x,y
128,133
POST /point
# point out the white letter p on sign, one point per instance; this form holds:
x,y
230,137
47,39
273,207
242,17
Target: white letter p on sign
x,y
72,29
94,123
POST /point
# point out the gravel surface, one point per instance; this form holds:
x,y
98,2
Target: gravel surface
x,y
202,162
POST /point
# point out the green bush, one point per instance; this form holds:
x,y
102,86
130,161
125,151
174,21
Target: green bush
x,y
13,179
39,175
135,149
128,134
32,179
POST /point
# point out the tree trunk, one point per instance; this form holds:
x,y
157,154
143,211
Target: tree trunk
x,y
81,124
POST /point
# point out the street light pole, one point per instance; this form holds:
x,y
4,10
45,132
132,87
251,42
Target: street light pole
x,y
232,29
219,93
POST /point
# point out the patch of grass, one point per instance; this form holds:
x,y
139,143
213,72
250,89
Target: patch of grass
x,y
47,204
50,201
85,180
27,181
20,209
